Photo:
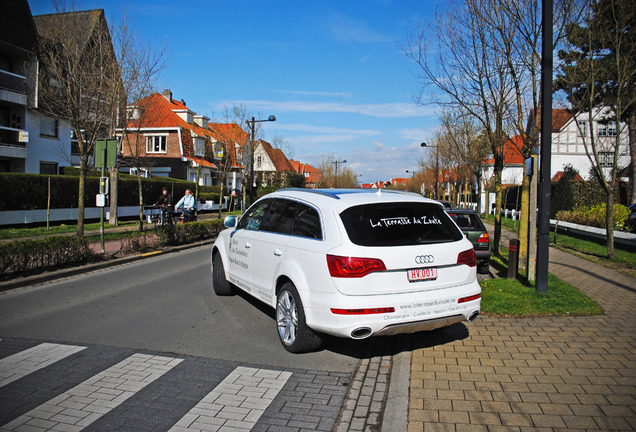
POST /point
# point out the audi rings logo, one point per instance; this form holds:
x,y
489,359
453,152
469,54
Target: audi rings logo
x,y
424,259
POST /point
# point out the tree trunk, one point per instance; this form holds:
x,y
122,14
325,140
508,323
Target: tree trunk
x,y
523,224
81,195
114,183
632,151
609,224
141,201
498,203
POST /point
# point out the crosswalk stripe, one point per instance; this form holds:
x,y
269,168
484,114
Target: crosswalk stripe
x,y
236,403
28,361
90,400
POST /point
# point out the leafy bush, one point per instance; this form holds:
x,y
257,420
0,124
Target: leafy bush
x,y
190,232
595,216
26,256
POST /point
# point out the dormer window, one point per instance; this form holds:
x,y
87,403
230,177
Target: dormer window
x,y
218,150
199,146
155,144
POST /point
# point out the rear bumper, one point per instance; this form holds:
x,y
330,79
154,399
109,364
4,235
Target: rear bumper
x,y
413,312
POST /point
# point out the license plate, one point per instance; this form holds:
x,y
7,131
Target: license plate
x,y
428,273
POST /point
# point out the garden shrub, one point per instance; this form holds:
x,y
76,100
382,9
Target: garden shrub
x,y
190,232
595,216
50,253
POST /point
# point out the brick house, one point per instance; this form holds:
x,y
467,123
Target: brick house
x,y
229,141
168,139
271,166
312,175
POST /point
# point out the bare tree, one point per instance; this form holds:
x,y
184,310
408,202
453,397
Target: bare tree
x,y
230,144
345,177
467,71
80,80
141,64
466,146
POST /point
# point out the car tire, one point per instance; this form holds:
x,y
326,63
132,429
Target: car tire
x,y
221,285
483,268
293,331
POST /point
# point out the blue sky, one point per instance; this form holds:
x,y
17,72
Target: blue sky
x,y
331,72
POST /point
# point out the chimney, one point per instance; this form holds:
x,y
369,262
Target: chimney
x,y
167,94
183,102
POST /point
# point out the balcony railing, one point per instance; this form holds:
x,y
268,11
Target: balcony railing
x,y
10,137
13,82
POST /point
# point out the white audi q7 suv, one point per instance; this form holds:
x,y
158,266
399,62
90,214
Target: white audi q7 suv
x,y
352,263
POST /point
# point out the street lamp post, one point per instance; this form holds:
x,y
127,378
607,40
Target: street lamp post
x,y
436,167
336,163
251,124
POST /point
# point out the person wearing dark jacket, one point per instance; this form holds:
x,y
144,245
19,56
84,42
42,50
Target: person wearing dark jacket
x,y
165,201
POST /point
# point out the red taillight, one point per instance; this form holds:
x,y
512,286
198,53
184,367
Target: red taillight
x,y
362,311
469,298
467,257
351,267
483,238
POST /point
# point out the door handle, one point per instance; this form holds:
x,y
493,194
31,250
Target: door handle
x,y
278,252
248,245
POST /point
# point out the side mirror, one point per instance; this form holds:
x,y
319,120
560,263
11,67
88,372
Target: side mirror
x,y
230,221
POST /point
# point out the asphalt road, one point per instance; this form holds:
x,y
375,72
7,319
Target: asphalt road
x,y
164,304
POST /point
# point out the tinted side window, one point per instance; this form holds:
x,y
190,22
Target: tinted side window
x,y
307,223
280,216
399,224
253,219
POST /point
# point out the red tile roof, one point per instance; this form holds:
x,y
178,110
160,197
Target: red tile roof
x,y
277,157
159,112
559,174
229,134
560,117
202,162
312,175
511,151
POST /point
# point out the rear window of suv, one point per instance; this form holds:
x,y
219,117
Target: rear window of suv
x,y
399,224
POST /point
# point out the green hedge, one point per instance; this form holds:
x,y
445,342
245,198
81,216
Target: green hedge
x,y
27,256
595,216
30,191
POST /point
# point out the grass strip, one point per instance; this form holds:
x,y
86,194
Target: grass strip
x,y
511,298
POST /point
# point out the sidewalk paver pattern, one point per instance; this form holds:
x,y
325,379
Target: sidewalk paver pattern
x,y
547,373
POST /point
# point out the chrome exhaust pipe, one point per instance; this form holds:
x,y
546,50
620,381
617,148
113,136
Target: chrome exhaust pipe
x,y
361,333
473,316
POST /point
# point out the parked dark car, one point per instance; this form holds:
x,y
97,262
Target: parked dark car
x,y
631,220
471,225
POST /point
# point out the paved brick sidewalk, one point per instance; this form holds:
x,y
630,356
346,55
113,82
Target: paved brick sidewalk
x,y
547,374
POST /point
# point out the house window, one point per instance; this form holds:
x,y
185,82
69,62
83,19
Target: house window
x,y
582,128
48,168
218,150
199,147
48,127
259,161
608,129
155,144
606,159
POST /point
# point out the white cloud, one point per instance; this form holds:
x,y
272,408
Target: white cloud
x,y
299,127
383,110
348,29
316,93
